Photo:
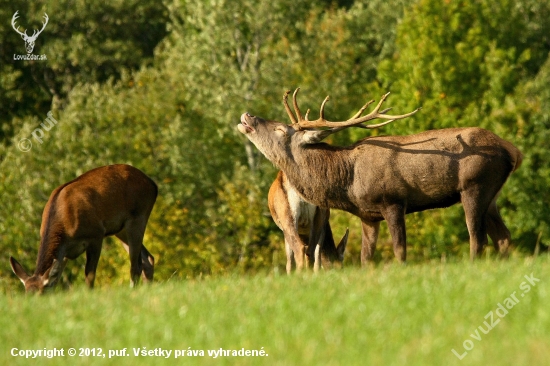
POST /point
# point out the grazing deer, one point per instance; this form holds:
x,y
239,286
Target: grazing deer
x,y
110,200
304,226
385,177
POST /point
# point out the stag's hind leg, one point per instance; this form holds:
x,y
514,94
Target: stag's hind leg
x,y
369,238
475,208
499,233
395,217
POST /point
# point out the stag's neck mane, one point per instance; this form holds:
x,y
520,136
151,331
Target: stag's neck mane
x,y
321,173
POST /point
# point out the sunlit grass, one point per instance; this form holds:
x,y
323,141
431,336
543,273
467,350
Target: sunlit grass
x,y
390,315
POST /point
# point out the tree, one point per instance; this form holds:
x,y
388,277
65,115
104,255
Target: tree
x,y
82,43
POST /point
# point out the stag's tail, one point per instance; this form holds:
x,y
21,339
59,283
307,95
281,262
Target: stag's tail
x,y
516,157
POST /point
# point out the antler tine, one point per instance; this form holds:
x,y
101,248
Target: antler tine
x,y
322,111
287,108
358,114
368,127
296,108
377,108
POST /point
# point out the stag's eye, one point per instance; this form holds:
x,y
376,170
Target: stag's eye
x,y
281,130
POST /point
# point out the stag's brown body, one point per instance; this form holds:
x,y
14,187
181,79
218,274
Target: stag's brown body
x,y
306,228
110,200
387,177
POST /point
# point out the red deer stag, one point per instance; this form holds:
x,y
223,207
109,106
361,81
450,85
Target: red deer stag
x,y
386,177
110,200
304,226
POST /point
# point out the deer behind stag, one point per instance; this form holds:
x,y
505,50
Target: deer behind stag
x,y
386,177
306,228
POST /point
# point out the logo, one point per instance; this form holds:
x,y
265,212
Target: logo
x,y
29,40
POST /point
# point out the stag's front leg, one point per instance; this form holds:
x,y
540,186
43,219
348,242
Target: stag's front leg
x,y
369,238
395,217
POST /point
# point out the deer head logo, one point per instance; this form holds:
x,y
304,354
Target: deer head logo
x,y
29,41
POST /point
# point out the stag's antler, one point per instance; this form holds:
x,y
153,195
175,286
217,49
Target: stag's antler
x,y
300,122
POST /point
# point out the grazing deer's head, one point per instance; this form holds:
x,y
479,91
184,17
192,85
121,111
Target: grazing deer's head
x,y
37,283
29,40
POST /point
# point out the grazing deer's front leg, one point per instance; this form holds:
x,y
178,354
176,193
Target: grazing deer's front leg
x,y
368,240
395,217
93,252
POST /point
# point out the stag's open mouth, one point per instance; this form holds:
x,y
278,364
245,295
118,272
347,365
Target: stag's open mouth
x,y
244,127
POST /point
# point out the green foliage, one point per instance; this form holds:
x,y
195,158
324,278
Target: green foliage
x,y
162,86
391,315
84,41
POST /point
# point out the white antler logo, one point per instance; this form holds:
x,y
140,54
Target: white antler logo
x,y
29,41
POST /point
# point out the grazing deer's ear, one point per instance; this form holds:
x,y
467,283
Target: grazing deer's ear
x,y
315,136
342,245
18,270
49,278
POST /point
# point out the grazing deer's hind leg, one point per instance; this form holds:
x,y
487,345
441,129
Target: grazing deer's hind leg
x,y
132,236
147,259
148,263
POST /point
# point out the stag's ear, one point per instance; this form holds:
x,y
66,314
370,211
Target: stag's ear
x,y
18,270
342,246
49,278
315,136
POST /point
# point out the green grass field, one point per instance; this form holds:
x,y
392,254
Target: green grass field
x,y
389,315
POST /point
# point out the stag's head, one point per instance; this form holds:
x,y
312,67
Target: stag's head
x,y
29,40
278,141
37,283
